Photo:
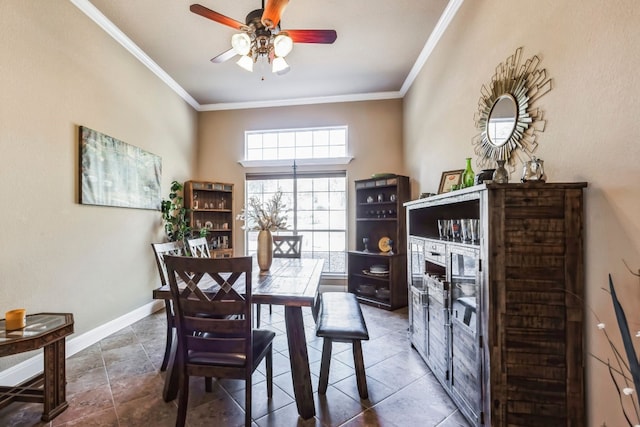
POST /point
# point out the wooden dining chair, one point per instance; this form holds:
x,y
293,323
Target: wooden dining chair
x,y
215,334
160,250
283,247
199,247
287,246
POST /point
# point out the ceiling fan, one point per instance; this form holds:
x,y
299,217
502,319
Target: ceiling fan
x,y
261,36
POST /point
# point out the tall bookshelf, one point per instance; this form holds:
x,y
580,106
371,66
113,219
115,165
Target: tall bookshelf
x,y
377,272
210,207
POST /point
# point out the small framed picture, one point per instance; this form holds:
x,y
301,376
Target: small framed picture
x,y
450,180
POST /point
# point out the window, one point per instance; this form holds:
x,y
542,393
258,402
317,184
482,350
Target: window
x,y
316,143
317,201
317,204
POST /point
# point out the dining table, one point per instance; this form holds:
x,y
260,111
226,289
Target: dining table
x,y
290,282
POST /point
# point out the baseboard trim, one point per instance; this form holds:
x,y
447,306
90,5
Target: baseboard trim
x,y
33,366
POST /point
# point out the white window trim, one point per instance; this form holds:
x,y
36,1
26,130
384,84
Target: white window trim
x,y
327,161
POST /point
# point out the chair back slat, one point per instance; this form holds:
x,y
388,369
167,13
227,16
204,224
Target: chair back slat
x,y
287,246
222,345
199,247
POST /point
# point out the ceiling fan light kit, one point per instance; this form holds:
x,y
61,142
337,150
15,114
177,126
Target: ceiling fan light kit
x,y
261,36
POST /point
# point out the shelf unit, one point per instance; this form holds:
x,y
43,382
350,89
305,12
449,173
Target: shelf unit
x,y
499,321
380,213
210,206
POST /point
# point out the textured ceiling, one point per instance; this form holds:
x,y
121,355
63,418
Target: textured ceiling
x,y
378,44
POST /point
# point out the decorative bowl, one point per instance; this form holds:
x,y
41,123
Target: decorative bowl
x,y
367,289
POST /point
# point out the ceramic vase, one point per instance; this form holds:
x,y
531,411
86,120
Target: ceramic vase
x,y
265,250
500,175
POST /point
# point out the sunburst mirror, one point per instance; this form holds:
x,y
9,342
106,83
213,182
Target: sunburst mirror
x,y
507,118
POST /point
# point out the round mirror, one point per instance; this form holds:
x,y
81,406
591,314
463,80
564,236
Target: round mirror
x,y
507,118
502,120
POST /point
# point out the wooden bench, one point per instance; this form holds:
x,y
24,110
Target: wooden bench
x,y
340,319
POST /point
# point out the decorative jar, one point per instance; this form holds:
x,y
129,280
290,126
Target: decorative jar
x,y
501,175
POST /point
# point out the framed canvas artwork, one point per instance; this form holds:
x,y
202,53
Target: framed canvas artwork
x,y
114,173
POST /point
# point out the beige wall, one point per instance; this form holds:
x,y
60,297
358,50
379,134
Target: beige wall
x,y
58,71
375,141
590,49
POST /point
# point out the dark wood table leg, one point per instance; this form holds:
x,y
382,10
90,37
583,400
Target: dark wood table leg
x,y
170,391
299,359
55,383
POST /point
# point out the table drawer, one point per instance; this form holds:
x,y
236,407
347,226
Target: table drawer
x,y
435,251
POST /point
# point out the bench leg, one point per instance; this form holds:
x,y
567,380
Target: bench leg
x,y
360,375
324,366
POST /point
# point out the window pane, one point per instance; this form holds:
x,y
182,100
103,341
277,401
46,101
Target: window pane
x,y
336,200
321,184
270,140
287,138
254,154
305,219
338,137
321,220
321,137
320,152
254,141
321,201
305,184
287,153
304,139
305,201
304,153
338,183
337,220
337,151
270,154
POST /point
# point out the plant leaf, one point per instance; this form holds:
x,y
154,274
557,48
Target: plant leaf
x,y
634,366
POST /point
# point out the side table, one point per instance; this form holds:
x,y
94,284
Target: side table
x,y
42,330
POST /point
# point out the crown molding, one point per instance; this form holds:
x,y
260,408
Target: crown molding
x,y
301,101
96,16
441,26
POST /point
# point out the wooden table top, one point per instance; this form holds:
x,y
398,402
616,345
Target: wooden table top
x,y
289,281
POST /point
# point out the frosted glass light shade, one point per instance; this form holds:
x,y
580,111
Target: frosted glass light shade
x,y
246,63
241,43
279,65
282,45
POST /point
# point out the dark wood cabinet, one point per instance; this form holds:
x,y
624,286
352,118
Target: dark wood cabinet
x,y
210,207
377,268
499,321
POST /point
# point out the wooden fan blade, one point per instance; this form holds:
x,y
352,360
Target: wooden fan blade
x,y
312,36
224,56
215,16
272,12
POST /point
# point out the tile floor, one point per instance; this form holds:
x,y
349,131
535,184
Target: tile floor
x,y
117,382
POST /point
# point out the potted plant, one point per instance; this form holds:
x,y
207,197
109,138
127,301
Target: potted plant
x,y
174,215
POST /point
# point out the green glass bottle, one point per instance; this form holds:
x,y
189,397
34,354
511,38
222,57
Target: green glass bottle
x,y
468,176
